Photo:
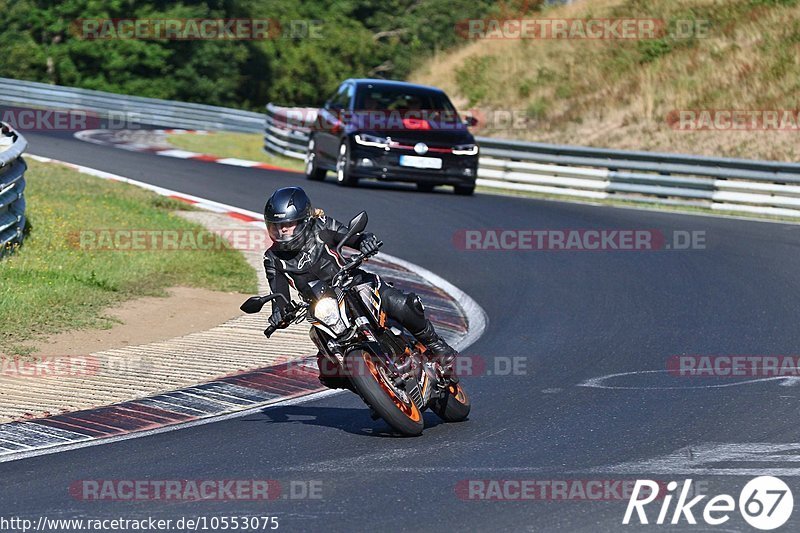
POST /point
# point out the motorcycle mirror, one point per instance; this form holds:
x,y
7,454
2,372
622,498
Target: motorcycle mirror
x,y
357,225
254,304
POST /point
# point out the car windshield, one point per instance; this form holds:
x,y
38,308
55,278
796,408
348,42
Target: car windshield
x,y
403,99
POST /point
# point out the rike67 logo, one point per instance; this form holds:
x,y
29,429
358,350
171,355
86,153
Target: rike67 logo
x,y
765,503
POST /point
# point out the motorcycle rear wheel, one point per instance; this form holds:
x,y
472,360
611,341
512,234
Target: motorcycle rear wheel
x,y
371,380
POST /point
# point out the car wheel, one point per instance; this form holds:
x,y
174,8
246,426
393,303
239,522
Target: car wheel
x,y
343,174
425,187
313,172
464,190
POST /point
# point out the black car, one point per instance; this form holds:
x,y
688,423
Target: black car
x,y
393,131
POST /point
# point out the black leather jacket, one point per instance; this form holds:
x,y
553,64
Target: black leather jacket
x,y
317,257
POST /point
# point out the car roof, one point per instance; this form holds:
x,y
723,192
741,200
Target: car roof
x,y
391,83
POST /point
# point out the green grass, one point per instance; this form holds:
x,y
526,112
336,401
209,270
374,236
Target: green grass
x,y
51,285
248,146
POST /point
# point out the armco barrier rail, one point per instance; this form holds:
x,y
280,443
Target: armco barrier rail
x,y
120,107
741,185
12,187
286,130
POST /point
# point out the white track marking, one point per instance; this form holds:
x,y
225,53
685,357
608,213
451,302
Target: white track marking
x,y
180,154
717,459
599,382
237,162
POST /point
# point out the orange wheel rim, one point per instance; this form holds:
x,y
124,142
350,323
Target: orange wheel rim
x,y
458,392
409,409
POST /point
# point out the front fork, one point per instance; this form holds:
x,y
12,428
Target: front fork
x,y
422,384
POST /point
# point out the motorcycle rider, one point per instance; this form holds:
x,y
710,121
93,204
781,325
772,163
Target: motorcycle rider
x,y
305,238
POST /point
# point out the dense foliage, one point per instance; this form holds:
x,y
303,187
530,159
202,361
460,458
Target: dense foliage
x,y
40,41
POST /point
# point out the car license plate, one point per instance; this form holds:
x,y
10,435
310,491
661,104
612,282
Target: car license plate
x,y
420,162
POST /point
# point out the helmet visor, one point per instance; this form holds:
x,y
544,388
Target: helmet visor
x,y
285,231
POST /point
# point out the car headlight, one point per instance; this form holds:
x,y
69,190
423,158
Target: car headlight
x,y
372,140
465,149
326,310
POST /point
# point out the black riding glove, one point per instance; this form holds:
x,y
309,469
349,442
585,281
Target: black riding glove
x,y
277,317
369,244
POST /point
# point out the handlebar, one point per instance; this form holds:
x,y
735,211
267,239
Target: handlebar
x,y
292,308
290,315
354,262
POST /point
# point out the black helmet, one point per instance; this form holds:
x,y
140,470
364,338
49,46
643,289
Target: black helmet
x,y
287,207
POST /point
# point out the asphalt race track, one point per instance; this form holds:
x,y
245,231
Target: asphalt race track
x,y
572,316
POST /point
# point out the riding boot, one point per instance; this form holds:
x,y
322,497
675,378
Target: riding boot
x,y
437,348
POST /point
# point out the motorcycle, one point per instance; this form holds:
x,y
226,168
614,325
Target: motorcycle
x,y
384,364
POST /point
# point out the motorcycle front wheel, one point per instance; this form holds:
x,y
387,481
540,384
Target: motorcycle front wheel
x,y
455,405
371,379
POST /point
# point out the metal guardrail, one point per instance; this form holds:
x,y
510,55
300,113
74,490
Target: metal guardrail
x,y
286,130
741,185
12,187
134,109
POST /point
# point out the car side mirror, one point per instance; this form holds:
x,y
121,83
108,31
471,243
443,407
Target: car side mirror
x,y
470,121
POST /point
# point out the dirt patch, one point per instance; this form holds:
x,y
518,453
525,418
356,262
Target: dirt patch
x,y
152,319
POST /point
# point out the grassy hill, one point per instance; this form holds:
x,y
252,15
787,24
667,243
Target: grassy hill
x,y
617,93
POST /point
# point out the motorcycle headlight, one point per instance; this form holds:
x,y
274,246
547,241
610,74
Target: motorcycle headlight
x,y
326,310
465,149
